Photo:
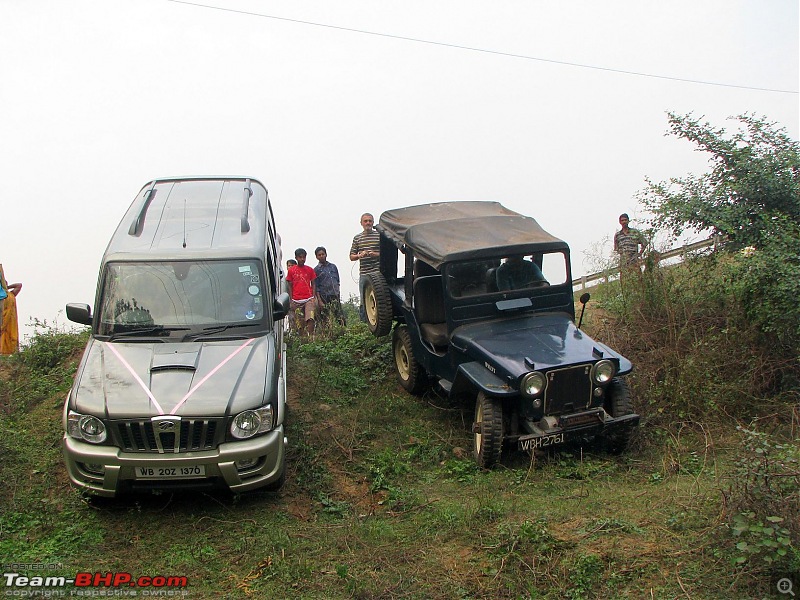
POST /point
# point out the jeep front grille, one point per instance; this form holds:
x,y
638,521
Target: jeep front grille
x,y
568,390
180,435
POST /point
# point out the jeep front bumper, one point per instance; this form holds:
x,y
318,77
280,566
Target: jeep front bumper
x,y
552,431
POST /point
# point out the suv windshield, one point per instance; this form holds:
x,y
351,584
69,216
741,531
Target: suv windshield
x,y
180,295
506,273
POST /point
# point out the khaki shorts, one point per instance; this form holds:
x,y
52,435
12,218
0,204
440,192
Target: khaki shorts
x,y
309,308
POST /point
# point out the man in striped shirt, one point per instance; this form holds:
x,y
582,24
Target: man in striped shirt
x,y
629,243
366,249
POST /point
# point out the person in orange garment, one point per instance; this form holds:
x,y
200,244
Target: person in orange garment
x,y
9,330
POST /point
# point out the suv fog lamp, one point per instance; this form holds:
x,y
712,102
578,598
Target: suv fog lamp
x,y
532,384
251,422
537,403
603,371
247,463
86,427
94,468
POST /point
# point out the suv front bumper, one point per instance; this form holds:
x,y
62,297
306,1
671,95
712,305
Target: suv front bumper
x,y
119,468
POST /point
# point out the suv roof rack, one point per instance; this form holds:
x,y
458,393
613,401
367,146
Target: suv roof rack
x,y
246,206
138,223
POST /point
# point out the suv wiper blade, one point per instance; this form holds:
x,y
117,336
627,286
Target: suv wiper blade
x,y
210,331
145,331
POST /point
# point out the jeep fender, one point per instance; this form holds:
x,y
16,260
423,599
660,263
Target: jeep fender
x,y
473,377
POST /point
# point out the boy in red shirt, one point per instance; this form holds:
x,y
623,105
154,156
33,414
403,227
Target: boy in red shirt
x,y
302,289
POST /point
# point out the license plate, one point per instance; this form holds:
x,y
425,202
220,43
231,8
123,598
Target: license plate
x,y
170,472
541,442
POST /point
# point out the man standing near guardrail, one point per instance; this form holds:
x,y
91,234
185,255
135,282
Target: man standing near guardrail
x,y
629,243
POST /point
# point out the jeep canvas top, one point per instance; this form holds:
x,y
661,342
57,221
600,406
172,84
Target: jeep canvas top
x,y
182,383
484,308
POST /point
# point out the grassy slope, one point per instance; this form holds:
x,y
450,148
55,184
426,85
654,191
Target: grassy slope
x,y
383,501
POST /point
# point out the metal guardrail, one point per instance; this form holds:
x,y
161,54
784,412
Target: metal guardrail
x,y
681,251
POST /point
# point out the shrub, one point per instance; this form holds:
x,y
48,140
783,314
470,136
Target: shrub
x,y
44,366
763,501
696,351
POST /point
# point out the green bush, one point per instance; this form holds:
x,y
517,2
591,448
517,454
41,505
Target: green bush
x,y
50,347
350,358
751,197
43,367
696,350
763,501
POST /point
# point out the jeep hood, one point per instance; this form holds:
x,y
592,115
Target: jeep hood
x,y
512,347
144,379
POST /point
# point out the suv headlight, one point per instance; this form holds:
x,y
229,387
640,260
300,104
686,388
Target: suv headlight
x,y
603,371
532,384
86,427
251,422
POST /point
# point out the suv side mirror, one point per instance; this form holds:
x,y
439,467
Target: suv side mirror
x,y
280,308
79,313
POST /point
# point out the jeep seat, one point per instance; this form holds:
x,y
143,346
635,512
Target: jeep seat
x,y
429,310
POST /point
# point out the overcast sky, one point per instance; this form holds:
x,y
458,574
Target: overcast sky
x,y
526,102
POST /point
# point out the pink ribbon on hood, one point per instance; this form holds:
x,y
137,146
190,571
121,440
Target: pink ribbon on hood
x,y
190,392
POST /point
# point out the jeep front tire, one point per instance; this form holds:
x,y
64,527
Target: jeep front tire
x,y
487,431
618,403
378,305
411,374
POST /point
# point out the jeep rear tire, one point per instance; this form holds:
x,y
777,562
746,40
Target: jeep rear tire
x,y
378,305
411,374
487,431
618,403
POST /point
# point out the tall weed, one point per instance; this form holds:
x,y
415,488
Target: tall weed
x,y
697,354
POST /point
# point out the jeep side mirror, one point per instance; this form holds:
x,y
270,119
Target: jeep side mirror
x,y
79,313
583,300
280,308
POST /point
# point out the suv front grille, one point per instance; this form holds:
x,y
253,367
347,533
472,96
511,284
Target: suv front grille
x,y
568,390
167,435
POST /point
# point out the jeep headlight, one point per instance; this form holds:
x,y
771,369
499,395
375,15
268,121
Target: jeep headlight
x,y
251,422
86,427
603,371
532,384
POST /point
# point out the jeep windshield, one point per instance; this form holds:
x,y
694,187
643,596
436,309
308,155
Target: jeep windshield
x,y
510,273
153,299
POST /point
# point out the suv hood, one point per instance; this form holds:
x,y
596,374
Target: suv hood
x,y
143,379
515,346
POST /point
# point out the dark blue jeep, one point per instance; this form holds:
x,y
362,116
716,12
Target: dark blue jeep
x,y
482,304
